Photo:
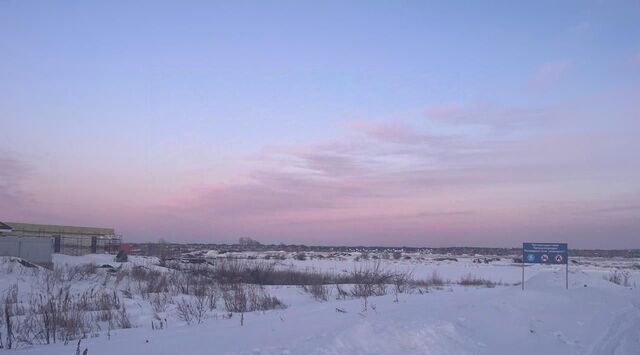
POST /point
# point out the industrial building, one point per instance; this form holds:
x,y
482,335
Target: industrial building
x,y
70,240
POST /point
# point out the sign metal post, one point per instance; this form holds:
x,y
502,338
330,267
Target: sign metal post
x,y
522,272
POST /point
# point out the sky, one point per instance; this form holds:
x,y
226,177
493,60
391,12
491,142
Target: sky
x,y
415,123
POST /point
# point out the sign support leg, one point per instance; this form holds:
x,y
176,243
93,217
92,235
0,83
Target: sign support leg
x,y
523,272
567,275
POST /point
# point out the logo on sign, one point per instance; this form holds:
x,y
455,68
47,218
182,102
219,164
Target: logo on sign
x,y
544,258
559,259
531,258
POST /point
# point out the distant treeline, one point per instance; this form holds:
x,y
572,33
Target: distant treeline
x,y
173,249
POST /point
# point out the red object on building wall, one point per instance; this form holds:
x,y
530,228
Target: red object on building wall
x,y
125,248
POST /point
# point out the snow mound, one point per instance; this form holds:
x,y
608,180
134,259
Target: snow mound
x,y
370,338
10,264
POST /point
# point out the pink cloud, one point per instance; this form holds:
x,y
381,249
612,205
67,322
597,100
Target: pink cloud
x,y
582,27
389,131
398,133
446,112
13,175
499,119
388,183
549,74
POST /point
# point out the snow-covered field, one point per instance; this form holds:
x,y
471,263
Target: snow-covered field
x,y
595,316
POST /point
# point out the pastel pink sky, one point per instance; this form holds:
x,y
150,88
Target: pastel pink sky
x,y
427,134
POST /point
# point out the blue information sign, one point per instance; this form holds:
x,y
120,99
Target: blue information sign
x,y
545,253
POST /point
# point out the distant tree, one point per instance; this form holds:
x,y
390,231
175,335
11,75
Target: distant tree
x,y
246,241
163,251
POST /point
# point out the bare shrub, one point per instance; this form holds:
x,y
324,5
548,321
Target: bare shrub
x,y
56,314
159,302
120,275
158,323
247,298
341,292
75,272
470,280
11,299
368,289
139,273
435,280
149,281
122,318
156,283
259,300
235,298
180,283
200,306
184,311
231,271
86,350
370,280
8,323
317,291
401,282
619,277
227,271
212,295
205,296
189,309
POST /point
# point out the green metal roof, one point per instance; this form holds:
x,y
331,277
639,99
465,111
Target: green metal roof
x,y
55,229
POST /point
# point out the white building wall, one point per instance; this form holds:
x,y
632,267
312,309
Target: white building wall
x,y
34,249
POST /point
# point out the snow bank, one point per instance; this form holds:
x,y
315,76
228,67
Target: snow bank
x,y
594,316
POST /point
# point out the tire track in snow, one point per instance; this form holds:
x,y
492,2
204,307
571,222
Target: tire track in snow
x,y
623,336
